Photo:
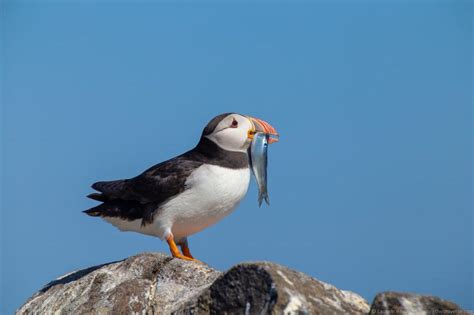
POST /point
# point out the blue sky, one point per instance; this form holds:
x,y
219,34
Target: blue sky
x,y
370,184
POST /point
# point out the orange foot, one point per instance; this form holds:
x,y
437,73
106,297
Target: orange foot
x,y
177,254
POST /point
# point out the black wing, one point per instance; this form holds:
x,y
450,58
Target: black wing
x,y
140,196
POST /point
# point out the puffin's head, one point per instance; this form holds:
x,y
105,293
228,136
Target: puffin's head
x,y
234,132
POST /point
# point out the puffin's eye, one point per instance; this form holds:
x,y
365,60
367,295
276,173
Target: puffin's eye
x,y
234,124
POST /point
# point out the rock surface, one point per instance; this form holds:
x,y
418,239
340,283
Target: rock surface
x,y
154,283
147,283
406,303
267,288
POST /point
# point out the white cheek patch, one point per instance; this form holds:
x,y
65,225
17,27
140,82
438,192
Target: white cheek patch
x,y
230,139
224,124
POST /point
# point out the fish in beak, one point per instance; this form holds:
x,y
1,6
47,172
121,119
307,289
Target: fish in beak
x,y
258,158
261,134
262,126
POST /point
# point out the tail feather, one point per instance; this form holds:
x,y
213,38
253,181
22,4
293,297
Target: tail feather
x,y
93,212
109,186
128,210
110,189
98,197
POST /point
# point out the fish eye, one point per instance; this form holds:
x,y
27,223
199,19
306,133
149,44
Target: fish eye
x,y
234,123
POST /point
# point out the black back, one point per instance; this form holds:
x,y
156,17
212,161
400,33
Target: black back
x,y
140,197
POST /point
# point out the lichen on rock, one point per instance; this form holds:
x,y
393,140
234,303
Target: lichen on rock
x,y
154,283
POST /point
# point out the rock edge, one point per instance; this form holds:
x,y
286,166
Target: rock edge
x,y
154,283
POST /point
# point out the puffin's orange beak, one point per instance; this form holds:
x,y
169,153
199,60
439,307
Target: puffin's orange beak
x,y
259,125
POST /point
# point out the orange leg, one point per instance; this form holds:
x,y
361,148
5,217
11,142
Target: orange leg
x,y
185,249
175,251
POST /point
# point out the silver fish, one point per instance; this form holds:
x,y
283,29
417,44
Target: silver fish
x,y
258,163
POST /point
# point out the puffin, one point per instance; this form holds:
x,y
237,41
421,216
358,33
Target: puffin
x,y
188,193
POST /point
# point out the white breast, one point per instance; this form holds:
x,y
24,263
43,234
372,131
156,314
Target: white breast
x,y
212,193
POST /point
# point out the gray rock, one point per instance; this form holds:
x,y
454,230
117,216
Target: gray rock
x,y
148,283
387,303
153,283
267,288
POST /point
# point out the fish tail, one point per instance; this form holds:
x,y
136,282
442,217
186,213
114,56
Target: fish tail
x,y
267,199
263,196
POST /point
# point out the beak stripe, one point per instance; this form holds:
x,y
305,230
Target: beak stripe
x,y
262,126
